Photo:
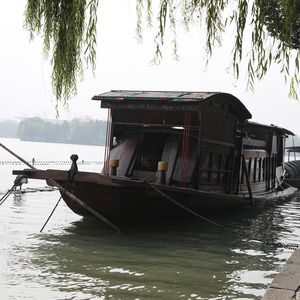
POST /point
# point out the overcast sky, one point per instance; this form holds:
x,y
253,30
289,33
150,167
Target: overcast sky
x,y
124,64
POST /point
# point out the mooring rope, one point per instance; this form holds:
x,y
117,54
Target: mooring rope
x,y
2,200
249,239
71,175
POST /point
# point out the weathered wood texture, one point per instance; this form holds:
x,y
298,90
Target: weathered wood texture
x,y
155,117
169,156
218,127
118,198
125,156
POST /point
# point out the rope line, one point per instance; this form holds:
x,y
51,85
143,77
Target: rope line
x,y
279,245
2,200
7,194
70,180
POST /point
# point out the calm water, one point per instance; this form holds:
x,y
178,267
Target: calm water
x,y
83,259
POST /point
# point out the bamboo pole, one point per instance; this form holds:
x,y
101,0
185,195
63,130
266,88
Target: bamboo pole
x,y
72,196
18,157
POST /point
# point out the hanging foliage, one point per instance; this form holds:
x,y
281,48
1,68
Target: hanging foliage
x,y
274,26
282,20
69,31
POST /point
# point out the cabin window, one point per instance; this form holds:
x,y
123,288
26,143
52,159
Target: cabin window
x,y
256,168
205,174
251,169
260,171
264,166
248,162
225,166
267,169
215,167
243,173
273,169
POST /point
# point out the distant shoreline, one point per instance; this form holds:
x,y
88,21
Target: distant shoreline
x,y
79,131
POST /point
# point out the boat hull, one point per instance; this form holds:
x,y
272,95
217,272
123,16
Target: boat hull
x,y
119,198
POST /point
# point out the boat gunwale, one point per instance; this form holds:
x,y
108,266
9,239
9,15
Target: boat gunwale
x,y
123,181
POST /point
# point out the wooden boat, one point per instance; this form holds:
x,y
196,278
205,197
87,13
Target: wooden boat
x,y
170,153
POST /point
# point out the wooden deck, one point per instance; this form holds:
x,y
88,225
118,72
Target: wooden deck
x,y
286,285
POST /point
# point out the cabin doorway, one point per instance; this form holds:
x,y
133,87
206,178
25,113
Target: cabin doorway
x,y
148,155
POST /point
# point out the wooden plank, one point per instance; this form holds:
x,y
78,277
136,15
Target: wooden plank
x,y
144,174
256,187
116,152
254,153
159,118
158,105
191,163
254,143
126,156
169,156
139,138
212,188
63,175
214,146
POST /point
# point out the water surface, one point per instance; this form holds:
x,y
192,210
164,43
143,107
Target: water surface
x,y
187,258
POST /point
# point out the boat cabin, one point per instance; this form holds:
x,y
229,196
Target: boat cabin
x,y
198,140
263,148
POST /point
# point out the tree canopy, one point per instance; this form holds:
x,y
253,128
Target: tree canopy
x,y
78,131
69,29
283,22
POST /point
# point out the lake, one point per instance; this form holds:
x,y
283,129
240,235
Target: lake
x,y
76,258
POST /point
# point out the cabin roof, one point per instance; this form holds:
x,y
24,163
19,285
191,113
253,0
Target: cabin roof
x,y
171,101
254,127
293,149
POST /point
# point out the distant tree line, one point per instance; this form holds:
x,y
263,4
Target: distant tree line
x,y
85,131
8,128
293,141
